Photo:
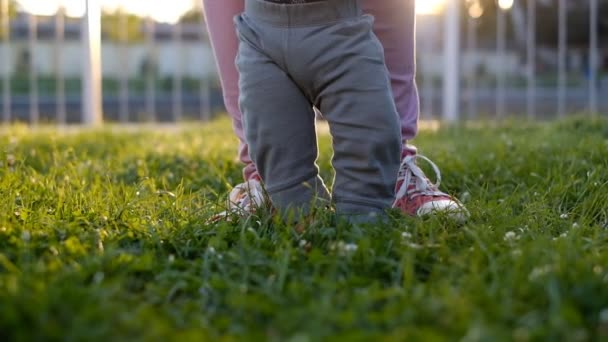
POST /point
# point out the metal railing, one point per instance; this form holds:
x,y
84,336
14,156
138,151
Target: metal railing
x,y
502,98
55,69
104,66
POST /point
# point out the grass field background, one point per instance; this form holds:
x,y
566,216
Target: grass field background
x,y
103,237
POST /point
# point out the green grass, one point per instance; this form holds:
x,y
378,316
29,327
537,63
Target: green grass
x,y
103,238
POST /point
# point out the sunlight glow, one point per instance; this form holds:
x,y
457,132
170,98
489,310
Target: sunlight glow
x,y
505,4
165,11
475,9
429,7
161,10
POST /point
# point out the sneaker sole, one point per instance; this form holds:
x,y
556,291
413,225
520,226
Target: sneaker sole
x,y
448,207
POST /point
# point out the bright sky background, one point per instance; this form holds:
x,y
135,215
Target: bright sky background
x,y
429,6
161,10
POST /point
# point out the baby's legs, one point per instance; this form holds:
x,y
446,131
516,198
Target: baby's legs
x,y
323,53
351,88
279,125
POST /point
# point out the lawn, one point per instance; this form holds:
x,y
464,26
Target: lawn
x,y
104,237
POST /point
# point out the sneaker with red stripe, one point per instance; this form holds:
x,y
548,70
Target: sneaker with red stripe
x,y
416,195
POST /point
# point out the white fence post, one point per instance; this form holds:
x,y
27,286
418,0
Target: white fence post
x,y
7,61
151,65
32,46
472,48
531,59
561,59
500,53
428,108
451,62
91,71
123,27
177,73
205,89
59,78
593,56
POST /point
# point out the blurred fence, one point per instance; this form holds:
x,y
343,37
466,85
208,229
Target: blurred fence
x,y
56,68
463,75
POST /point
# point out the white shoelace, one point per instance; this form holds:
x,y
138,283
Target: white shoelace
x,y
409,171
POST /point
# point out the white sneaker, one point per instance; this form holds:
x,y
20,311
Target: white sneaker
x,y
244,200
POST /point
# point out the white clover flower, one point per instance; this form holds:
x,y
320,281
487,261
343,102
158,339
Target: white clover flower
x,y
563,216
604,316
510,236
406,235
303,243
344,248
541,271
98,277
211,250
575,225
561,236
414,246
26,236
350,247
598,269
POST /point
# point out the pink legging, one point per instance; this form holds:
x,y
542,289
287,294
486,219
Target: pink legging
x,y
395,27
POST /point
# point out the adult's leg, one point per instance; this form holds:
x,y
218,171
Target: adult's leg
x,y
219,15
395,27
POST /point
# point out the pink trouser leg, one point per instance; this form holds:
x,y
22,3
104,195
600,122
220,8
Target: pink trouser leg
x,y
395,27
219,16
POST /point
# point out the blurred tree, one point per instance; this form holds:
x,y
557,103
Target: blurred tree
x,y
195,15
113,24
12,11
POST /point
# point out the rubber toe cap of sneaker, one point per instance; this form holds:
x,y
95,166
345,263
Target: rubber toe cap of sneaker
x,y
451,208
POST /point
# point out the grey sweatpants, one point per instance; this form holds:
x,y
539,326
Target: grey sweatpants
x,y
322,54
